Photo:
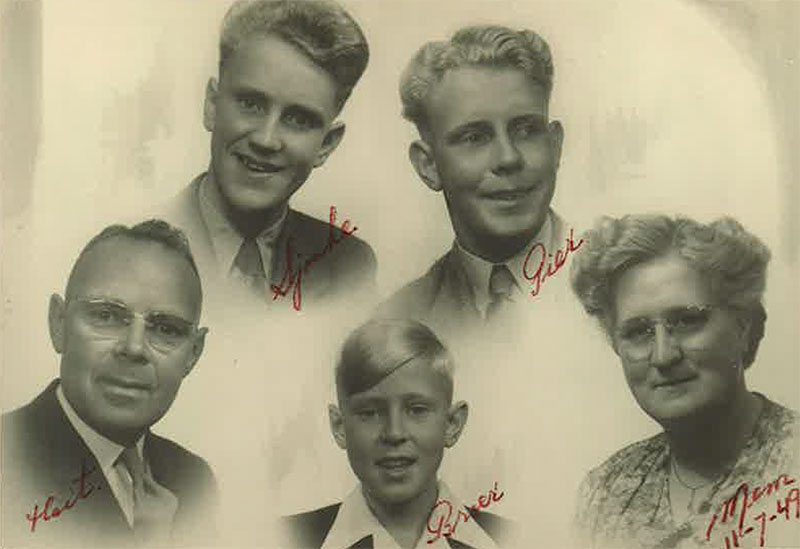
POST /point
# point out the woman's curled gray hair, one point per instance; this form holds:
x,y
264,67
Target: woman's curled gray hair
x,y
733,260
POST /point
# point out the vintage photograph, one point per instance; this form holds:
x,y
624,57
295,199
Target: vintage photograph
x,y
400,274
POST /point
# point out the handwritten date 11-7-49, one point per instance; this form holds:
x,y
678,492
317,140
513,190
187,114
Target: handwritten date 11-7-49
x,y
787,507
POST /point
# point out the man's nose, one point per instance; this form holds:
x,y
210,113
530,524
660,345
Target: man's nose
x,y
133,340
507,156
394,428
666,349
267,135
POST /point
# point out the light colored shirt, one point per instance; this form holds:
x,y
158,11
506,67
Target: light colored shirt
x,y
355,521
479,270
106,453
226,240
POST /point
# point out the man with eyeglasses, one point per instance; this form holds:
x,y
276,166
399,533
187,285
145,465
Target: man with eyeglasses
x,y
80,465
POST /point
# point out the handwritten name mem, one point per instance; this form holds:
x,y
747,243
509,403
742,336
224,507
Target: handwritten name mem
x,y
744,499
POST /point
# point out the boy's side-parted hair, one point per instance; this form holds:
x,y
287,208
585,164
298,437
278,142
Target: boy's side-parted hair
x,y
379,347
322,30
478,45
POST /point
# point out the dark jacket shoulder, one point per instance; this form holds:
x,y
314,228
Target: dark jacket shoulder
x,y
500,529
309,530
417,298
315,234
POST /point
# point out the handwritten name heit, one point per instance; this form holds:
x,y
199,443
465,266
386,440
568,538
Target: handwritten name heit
x,y
540,265
51,511
292,279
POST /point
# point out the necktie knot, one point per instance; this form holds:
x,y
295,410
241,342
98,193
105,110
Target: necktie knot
x,y
133,462
154,506
501,285
248,259
501,282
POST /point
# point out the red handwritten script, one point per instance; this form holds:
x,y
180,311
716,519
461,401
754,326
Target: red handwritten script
x,y
52,511
292,279
441,521
744,500
540,265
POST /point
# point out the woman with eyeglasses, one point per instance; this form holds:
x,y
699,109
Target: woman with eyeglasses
x,y
680,302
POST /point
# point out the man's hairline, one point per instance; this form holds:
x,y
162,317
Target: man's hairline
x,y
424,123
86,251
338,108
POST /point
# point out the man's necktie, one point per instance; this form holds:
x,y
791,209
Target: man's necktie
x,y
154,506
248,262
501,285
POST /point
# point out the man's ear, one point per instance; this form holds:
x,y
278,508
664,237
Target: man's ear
x,y
421,155
56,320
337,426
556,132
198,344
456,420
210,105
329,143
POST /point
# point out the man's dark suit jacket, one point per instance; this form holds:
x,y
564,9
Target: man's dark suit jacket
x,y
345,269
443,298
309,530
43,455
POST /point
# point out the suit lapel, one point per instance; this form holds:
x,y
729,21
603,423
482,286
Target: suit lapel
x,y
67,459
454,295
301,240
364,543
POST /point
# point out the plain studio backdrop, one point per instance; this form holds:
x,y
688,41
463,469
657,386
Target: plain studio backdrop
x,y
668,106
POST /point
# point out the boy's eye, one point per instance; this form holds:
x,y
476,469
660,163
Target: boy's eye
x,y
418,410
366,414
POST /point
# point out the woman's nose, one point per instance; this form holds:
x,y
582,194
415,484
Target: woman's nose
x,y
666,350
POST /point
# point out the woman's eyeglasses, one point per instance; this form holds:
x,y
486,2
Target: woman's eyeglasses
x,y
163,331
636,336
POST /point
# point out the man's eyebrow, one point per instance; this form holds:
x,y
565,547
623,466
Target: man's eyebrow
x,y
537,118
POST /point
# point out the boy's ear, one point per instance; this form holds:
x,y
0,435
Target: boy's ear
x,y
456,420
55,321
329,143
421,155
210,105
337,426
